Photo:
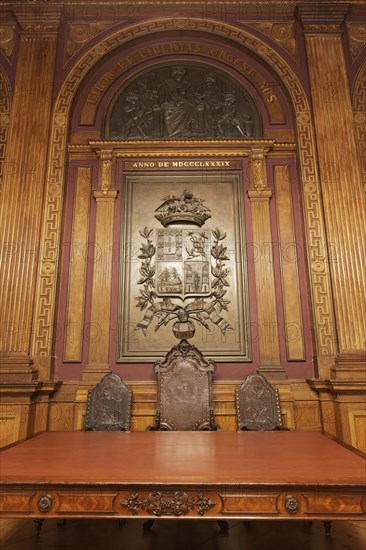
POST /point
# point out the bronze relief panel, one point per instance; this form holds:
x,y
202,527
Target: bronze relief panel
x,y
187,101
183,270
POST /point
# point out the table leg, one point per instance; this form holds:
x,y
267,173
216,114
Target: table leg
x,y
38,525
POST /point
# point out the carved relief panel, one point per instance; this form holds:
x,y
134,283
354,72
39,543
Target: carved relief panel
x,y
182,268
182,102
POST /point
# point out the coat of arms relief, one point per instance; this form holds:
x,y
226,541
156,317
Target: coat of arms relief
x,y
184,270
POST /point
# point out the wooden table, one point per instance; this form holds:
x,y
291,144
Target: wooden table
x,y
221,475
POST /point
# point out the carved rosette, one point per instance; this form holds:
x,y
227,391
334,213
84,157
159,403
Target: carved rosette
x,y
168,503
292,504
45,503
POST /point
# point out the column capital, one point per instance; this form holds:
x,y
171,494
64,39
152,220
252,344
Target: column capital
x,y
105,195
38,21
322,18
258,172
259,195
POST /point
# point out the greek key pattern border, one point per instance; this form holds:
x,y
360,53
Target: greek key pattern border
x,y
359,111
314,223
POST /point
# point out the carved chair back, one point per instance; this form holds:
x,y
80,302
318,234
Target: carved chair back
x,y
109,405
184,400
258,405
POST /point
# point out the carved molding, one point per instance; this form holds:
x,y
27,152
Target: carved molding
x,y
168,503
314,222
322,18
356,37
281,33
37,23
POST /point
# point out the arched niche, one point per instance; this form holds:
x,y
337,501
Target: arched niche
x,y
235,68
182,101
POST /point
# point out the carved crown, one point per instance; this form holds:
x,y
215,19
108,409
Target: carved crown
x,y
183,209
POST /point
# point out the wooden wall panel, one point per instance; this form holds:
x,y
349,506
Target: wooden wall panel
x,y
10,417
74,322
357,423
294,333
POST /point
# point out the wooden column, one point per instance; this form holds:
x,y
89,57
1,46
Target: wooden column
x,y
259,196
99,333
23,188
341,181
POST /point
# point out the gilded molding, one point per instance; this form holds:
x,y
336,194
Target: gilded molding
x,y
313,216
322,18
36,23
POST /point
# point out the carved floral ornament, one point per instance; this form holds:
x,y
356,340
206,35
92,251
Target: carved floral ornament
x,y
183,263
168,503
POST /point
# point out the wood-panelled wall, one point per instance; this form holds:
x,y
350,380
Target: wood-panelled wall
x,y
47,57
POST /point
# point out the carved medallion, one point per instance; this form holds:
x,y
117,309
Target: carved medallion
x,y
168,503
45,503
292,504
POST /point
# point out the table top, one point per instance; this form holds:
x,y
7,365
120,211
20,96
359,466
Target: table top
x,y
258,458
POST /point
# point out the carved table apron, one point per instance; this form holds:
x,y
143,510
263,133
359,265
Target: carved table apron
x,y
249,475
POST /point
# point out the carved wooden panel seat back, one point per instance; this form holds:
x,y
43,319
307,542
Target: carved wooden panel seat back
x,y
258,405
109,405
184,400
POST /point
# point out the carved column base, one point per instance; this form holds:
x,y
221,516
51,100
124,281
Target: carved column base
x,y
349,366
94,372
273,372
17,368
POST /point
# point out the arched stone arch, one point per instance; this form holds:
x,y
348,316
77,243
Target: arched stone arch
x,y
313,217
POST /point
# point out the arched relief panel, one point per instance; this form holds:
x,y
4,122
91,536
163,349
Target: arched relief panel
x,y
239,39
124,67
182,101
